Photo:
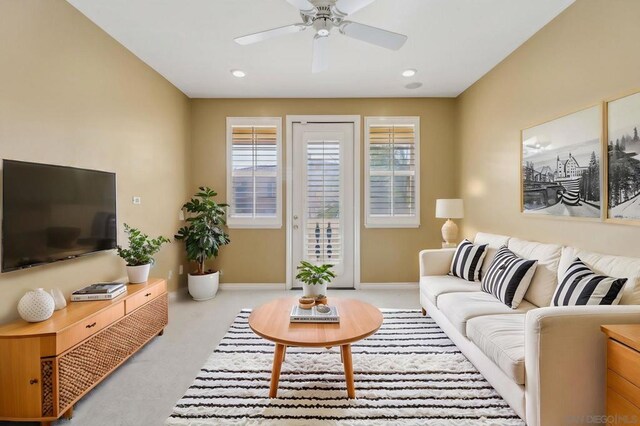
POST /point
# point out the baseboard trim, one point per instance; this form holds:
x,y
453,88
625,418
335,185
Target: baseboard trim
x,y
252,286
173,295
388,286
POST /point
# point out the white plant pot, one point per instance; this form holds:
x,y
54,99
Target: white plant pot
x,y
314,289
204,287
138,274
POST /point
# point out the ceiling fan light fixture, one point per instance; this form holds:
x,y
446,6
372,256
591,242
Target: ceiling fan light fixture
x,y
238,73
323,32
409,72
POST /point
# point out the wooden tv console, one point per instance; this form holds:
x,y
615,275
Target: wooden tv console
x,y
46,367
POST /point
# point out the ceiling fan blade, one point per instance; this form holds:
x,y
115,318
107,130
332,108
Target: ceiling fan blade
x,y
347,7
373,35
265,35
302,5
320,54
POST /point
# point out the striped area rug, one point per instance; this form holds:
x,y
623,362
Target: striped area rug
x,y
408,373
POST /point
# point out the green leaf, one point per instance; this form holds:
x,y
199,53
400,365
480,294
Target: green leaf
x,y
141,248
203,234
309,273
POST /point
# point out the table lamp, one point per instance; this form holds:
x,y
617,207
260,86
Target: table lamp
x,y
449,209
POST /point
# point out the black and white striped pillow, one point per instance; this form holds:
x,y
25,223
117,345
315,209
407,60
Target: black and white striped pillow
x,y
581,286
468,260
508,277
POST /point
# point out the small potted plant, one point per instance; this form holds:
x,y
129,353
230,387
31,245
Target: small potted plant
x,y
203,236
139,255
314,278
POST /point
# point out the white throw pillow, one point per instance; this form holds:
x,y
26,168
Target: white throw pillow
x,y
545,280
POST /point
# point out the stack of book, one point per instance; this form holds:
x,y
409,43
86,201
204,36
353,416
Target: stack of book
x,y
313,315
99,291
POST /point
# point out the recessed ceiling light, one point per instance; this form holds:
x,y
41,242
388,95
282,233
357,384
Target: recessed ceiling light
x,y
409,73
238,73
413,85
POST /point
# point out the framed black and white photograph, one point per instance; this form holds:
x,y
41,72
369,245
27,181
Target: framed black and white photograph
x,y
623,159
561,174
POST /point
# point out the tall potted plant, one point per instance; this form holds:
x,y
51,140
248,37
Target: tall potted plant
x,y
314,278
203,236
139,254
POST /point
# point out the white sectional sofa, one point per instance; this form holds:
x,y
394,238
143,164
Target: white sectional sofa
x,y
547,362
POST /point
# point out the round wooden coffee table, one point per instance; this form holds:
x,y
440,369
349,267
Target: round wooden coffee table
x,y
357,321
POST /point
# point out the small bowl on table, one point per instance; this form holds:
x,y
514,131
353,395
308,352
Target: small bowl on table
x,y
321,299
306,302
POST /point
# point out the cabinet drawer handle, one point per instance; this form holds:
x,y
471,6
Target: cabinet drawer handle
x,y
147,295
33,381
93,324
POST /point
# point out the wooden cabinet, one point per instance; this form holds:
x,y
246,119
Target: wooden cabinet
x,y
623,374
46,367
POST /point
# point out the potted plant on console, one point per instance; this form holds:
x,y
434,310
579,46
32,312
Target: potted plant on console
x,y
139,255
314,278
203,237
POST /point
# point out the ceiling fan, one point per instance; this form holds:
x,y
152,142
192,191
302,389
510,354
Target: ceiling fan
x,y
323,16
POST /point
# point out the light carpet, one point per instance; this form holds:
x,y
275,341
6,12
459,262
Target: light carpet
x,y
408,373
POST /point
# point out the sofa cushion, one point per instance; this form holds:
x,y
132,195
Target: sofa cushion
x,y
461,307
613,266
545,280
493,242
467,260
508,277
501,339
434,286
580,286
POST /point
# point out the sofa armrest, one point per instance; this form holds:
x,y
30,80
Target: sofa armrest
x,y
436,261
565,361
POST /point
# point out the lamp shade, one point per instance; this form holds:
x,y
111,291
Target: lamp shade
x,y
449,208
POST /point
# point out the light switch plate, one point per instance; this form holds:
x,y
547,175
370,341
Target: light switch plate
x,y
137,200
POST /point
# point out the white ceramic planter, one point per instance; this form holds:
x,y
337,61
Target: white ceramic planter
x,y
314,289
138,274
204,287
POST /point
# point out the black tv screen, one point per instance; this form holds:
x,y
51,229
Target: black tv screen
x,y
52,213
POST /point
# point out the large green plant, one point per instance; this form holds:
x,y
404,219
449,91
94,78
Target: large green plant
x,y
204,233
314,274
141,247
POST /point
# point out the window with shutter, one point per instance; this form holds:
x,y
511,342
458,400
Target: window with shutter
x,y
253,172
392,172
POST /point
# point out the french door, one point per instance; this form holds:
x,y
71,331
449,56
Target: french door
x,y
322,225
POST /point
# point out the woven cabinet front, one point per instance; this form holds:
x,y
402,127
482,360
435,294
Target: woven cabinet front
x,y
46,366
85,365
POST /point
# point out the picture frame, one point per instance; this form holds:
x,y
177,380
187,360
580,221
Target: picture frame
x,y
621,152
561,172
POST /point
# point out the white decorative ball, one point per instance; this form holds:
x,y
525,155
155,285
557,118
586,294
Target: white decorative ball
x,y
35,306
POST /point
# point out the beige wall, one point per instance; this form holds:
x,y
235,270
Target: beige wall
x,y
387,255
71,95
587,54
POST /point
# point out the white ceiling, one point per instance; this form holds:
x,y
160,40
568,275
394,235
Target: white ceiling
x,y
452,43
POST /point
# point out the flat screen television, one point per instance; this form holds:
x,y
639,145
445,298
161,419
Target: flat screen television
x,y
52,213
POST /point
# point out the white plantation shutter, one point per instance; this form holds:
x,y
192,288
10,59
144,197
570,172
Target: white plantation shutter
x,y
392,172
323,233
253,172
